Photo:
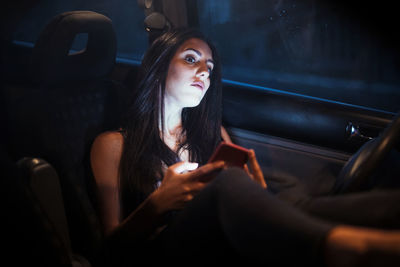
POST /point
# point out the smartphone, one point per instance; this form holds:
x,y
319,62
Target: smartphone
x,y
232,154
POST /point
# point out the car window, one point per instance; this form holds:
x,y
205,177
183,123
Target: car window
x,y
308,47
126,16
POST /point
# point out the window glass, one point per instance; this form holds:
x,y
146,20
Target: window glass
x,y
126,16
337,52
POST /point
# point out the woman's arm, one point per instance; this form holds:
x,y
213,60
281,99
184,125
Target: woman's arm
x,y
180,183
105,159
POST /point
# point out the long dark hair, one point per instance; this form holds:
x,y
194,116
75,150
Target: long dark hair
x,y
144,151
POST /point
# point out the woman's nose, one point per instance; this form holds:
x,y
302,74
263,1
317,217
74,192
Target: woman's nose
x,y
202,71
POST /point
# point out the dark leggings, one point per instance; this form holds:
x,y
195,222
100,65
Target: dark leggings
x,y
377,207
234,220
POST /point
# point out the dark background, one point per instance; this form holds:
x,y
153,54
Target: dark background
x,y
346,52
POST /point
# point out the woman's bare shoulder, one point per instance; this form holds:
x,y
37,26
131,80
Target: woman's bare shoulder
x,y
109,141
105,156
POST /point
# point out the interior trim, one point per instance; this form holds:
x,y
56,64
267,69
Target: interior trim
x,y
288,144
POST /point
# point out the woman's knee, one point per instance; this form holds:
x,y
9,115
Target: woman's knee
x,y
233,179
231,175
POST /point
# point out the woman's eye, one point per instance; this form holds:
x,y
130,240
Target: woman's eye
x,y
190,59
209,70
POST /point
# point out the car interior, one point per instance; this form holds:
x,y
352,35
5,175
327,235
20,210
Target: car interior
x,y
55,99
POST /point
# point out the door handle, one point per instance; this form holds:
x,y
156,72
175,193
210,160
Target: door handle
x,y
359,133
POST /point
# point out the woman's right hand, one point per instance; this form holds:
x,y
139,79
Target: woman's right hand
x,y
182,181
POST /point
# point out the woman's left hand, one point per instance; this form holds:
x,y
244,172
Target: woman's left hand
x,y
256,173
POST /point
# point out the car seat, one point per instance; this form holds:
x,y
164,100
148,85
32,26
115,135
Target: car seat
x,y
70,101
28,235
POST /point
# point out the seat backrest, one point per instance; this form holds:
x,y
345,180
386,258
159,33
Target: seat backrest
x,y
42,181
70,102
53,61
41,184
31,237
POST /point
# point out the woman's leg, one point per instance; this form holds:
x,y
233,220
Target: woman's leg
x,y
378,208
234,214
373,208
348,246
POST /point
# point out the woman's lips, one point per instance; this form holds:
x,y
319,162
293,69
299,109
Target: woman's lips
x,y
200,85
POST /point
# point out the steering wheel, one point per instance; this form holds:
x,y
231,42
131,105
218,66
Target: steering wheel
x,y
354,174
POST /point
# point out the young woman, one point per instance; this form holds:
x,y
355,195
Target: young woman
x,y
159,198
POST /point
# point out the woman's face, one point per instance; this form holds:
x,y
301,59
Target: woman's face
x,y
189,73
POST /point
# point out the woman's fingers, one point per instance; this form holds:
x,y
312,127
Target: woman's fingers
x,y
253,162
207,169
183,166
197,187
246,169
257,173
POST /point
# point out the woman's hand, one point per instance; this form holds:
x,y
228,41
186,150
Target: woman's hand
x,y
182,181
256,173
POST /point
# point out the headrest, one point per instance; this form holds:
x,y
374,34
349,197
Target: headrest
x,y
51,61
